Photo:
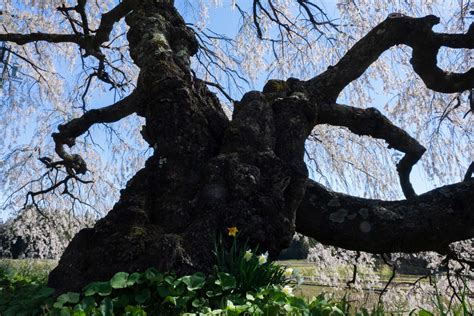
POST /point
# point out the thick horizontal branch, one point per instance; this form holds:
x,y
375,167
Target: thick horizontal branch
x,y
108,114
91,44
372,123
70,131
22,39
395,30
428,222
456,40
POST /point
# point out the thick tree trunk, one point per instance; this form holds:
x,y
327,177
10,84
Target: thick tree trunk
x,y
207,174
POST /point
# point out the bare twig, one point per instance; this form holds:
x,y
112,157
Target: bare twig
x,y
392,276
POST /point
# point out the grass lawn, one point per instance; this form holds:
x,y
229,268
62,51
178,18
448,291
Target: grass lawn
x,y
32,268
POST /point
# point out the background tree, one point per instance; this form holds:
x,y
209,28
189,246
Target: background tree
x,y
206,172
32,235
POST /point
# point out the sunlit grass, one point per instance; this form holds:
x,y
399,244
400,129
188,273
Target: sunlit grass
x,y
37,269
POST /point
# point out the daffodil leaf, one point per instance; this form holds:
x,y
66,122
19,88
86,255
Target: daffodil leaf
x,y
226,281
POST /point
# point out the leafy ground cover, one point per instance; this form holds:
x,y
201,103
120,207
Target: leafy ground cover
x,y
154,293
23,291
243,282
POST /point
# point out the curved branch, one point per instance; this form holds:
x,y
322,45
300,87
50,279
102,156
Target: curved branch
x,y
372,123
70,131
469,172
399,29
430,221
109,19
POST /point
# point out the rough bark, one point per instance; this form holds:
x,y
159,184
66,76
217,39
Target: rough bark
x,y
430,221
208,173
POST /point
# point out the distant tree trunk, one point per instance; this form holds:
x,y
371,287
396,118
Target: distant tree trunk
x,y
207,174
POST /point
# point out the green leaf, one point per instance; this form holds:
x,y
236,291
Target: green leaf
x,y
163,291
143,296
134,311
101,288
198,302
104,289
182,301
195,281
213,293
169,279
424,312
226,281
171,300
87,302
135,278
153,275
45,292
69,297
64,312
107,307
119,280
79,313
121,301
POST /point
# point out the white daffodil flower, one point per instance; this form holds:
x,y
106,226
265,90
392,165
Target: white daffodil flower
x,y
288,290
263,258
288,272
248,255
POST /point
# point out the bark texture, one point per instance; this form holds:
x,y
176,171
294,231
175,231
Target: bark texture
x,y
208,173
429,222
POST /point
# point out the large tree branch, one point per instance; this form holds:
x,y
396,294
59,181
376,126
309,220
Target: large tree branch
x,y
398,29
371,122
91,44
70,131
22,39
109,19
456,40
427,222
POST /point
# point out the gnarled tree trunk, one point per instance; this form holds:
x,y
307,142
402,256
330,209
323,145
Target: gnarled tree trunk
x,y
208,173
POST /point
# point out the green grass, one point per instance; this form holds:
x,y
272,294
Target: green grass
x,y
35,269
